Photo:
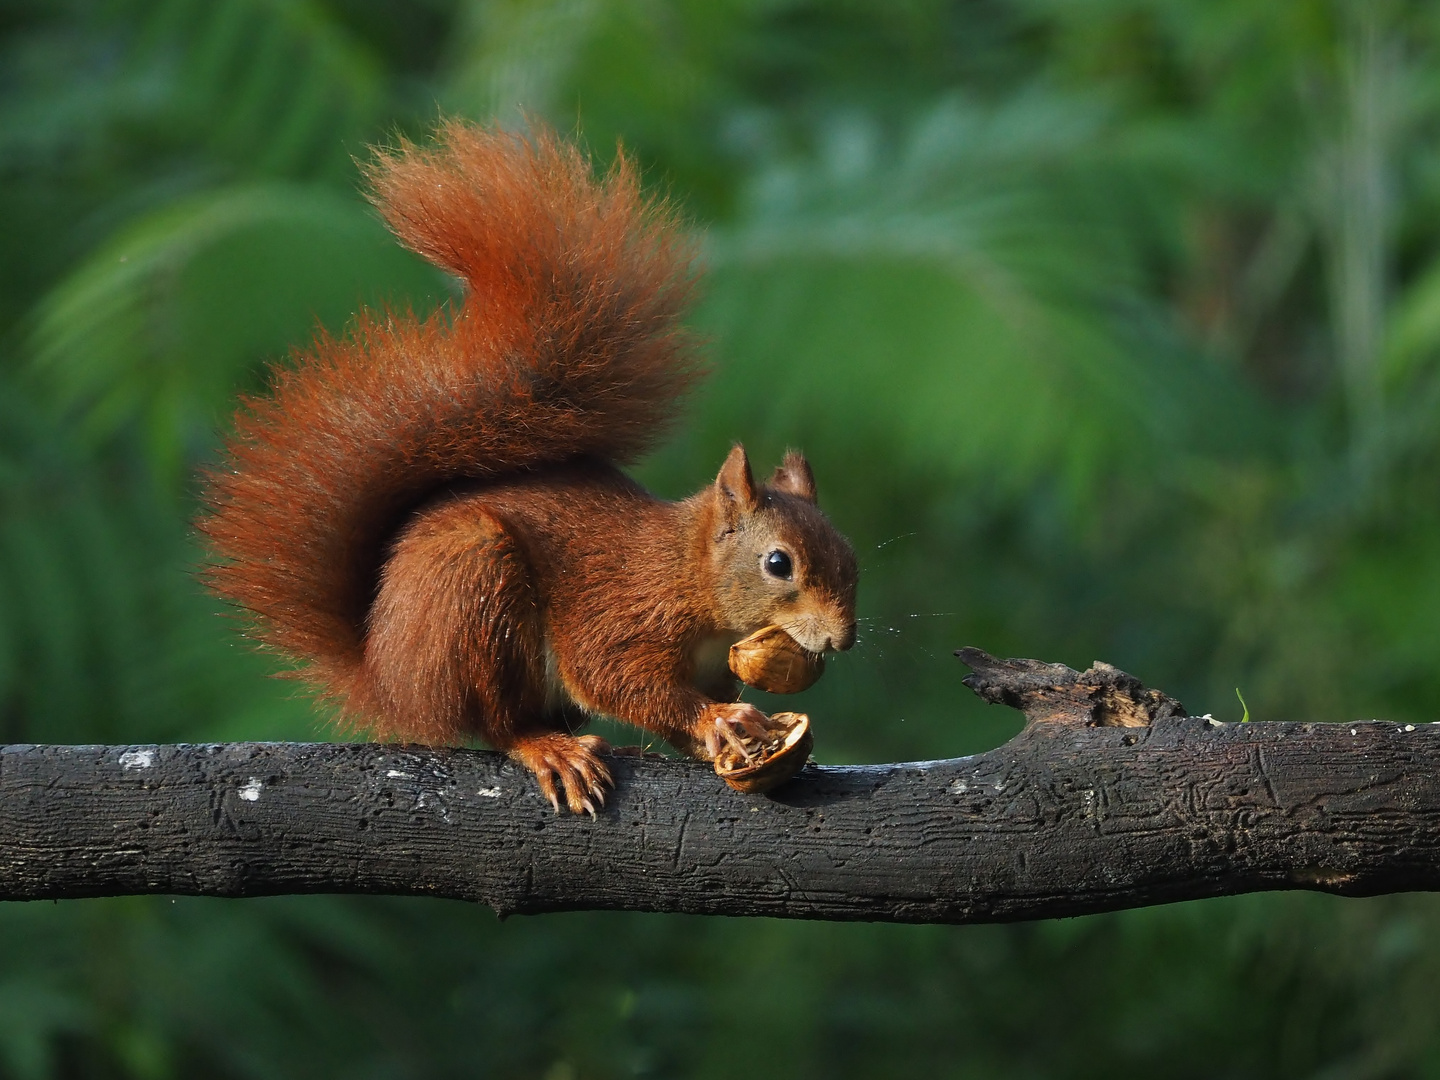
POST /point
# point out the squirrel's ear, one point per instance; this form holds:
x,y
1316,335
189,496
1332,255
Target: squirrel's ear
x,y
735,486
793,476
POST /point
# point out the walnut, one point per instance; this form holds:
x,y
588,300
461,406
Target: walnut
x,y
770,659
756,759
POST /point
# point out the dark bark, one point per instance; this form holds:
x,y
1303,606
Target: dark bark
x,y
1073,815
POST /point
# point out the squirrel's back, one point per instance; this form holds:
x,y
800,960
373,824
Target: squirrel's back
x,y
568,343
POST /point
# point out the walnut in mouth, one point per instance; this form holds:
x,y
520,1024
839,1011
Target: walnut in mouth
x,y
772,660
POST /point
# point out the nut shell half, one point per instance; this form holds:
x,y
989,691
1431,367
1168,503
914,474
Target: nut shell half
x,y
772,660
774,762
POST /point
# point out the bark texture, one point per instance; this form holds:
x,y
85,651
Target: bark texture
x,y
1111,797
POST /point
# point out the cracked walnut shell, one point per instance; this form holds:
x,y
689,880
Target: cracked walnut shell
x,y
755,763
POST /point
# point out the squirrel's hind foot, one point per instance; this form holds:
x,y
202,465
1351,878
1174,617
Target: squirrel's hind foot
x,y
569,761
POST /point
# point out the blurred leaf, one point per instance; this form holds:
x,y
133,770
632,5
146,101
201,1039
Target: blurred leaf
x,y
165,322
275,87
1414,333
943,301
104,636
278,84
32,1019
516,52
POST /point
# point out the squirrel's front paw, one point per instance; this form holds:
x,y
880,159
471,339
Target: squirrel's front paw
x,y
728,724
571,761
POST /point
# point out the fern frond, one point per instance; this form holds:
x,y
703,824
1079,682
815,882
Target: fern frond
x,y
155,332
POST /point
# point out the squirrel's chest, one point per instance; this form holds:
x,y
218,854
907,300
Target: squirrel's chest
x,y
710,662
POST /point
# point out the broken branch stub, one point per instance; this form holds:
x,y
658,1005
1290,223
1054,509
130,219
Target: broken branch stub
x,y
1103,696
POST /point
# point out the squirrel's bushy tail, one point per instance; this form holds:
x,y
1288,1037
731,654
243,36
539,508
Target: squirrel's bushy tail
x,y
568,342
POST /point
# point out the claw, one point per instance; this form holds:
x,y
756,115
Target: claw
x,y
736,744
557,760
753,728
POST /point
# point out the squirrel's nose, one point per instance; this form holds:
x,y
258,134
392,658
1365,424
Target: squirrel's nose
x,y
843,640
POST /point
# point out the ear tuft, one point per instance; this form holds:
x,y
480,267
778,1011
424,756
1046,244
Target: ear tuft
x,y
793,476
735,486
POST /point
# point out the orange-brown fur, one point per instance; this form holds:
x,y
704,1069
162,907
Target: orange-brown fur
x,y
429,512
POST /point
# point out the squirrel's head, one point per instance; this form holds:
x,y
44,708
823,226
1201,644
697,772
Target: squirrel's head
x,y
777,560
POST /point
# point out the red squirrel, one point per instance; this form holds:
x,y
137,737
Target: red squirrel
x,y
430,514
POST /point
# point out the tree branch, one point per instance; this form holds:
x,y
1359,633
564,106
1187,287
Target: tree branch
x,y
1111,797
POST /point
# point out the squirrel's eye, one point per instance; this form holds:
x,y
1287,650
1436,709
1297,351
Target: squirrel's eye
x,y
777,564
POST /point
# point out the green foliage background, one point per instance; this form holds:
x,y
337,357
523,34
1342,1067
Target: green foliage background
x,y
1112,328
